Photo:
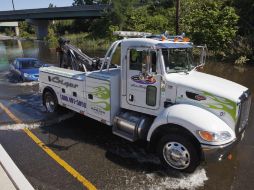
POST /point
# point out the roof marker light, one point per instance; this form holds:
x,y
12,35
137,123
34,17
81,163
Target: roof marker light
x,y
185,39
163,38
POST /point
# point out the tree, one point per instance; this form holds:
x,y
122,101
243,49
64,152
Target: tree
x,y
78,2
245,9
89,2
209,22
52,5
26,30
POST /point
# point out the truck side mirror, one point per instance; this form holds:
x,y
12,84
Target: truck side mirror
x,y
203,54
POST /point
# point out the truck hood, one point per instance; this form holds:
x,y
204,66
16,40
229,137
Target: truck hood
x,y
204,82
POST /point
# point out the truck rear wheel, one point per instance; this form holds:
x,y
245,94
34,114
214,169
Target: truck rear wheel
x,y
50,102
178,152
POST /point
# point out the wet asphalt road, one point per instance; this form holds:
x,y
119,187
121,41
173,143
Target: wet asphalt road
x,y
107,161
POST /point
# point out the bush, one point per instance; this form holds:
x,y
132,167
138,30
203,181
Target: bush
x,y
209,22
240,47
242,60
51,38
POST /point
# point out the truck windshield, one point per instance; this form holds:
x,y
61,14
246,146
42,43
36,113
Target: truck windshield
x,y
177,59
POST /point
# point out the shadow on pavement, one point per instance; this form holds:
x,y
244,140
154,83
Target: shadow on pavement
x,y
129,155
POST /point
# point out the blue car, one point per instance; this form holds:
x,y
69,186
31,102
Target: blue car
x,y
26,69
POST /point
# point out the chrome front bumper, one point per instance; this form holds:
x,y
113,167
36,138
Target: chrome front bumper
x,y
217,153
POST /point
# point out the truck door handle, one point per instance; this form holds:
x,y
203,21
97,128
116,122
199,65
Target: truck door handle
x,y
131,97
90,96
74,94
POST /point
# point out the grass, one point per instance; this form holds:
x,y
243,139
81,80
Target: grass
x,y
85,42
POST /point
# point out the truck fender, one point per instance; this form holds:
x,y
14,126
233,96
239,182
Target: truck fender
x,y
191,118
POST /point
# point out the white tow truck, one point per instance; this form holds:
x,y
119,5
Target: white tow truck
x,y
147,88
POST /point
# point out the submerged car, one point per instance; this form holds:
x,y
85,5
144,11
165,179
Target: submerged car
x,y
26,69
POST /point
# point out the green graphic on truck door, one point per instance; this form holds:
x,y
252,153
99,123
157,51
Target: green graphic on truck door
x,y
103,94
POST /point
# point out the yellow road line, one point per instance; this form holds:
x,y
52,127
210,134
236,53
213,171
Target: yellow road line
x,y
53,155
10,114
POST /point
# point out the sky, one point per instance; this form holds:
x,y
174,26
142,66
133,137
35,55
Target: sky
x,y
30,4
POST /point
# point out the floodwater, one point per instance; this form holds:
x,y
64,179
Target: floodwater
x,y
237,173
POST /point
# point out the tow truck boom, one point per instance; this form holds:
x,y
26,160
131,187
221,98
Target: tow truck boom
x,y
73,58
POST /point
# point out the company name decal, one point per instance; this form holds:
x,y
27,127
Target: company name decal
x,y
143,79
73,101
62,82
200,97
195,96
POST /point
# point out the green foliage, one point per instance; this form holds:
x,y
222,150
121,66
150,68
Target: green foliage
x,y
209,22
26,30
51,5
241,61
128,15
51,38
78,2
245,9
63,26
206,21
241,47
140,19
85,42
89,2
9,32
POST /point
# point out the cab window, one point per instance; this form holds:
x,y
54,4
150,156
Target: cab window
x,y
143,60
135,60
116,57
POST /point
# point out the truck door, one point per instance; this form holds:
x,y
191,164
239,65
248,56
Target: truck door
x,y
143,83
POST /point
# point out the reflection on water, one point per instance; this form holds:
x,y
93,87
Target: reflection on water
x,y
241,75
11,49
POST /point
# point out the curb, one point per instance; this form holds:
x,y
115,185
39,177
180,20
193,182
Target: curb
x,y
17,178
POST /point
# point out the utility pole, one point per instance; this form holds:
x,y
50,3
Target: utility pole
x,y
177,16
13,5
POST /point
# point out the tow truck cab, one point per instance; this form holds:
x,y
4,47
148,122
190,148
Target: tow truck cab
x,y
154,93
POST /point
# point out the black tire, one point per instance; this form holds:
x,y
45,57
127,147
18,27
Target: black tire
x,y
170,156
50,102
21,79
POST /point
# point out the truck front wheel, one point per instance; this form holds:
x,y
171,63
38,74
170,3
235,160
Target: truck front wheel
x,y
178,152
50,102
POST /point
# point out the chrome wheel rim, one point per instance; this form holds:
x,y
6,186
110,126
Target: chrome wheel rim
x,y
176,155
50,104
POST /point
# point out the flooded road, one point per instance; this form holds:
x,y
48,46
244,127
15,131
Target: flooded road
x,y
107,161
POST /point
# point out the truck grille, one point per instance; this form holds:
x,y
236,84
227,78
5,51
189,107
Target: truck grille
x,y
244,112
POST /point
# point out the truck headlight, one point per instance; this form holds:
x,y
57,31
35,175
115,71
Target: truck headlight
x,y
214,137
